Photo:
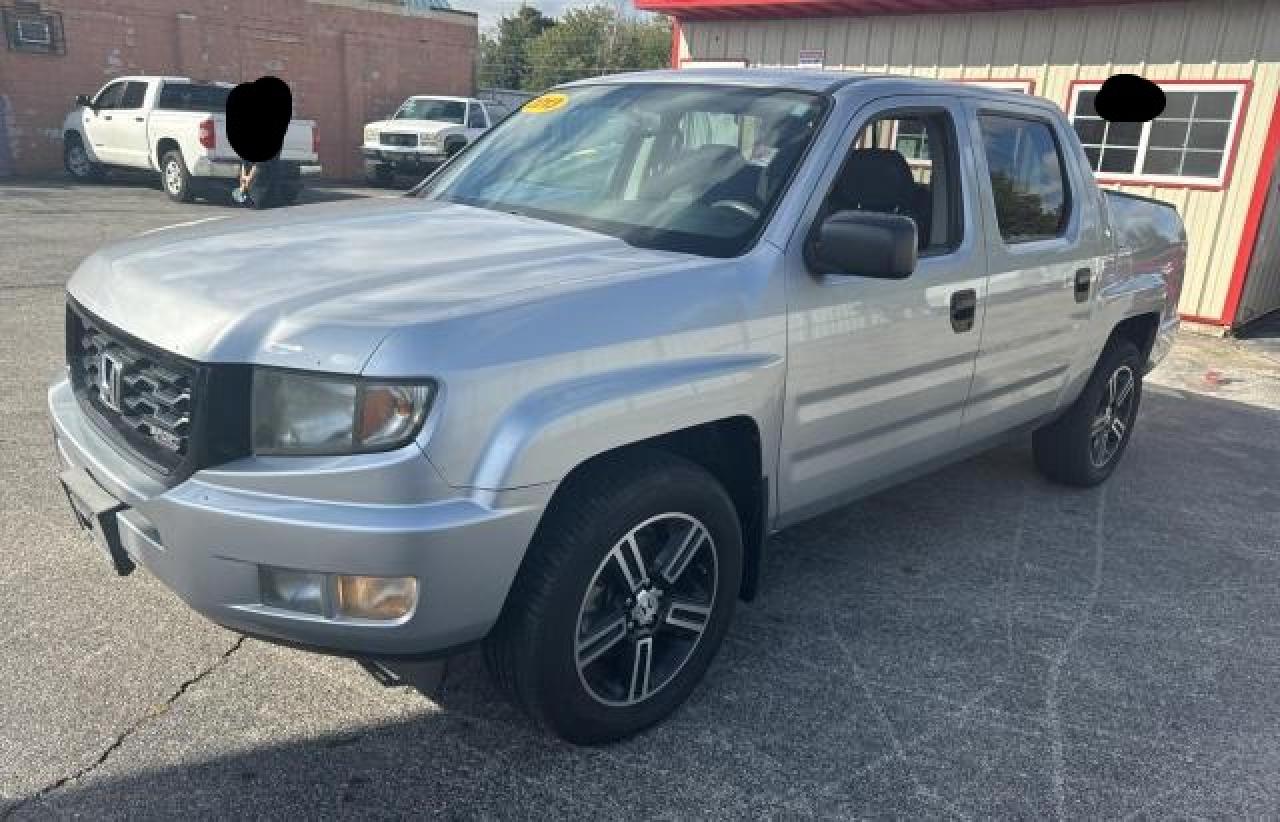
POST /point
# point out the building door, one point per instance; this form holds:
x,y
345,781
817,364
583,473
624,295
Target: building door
x,y
878,369
1262,281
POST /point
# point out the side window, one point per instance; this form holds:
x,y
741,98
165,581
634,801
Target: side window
x,y
134,94
1028,178
905,162
475,117
110,96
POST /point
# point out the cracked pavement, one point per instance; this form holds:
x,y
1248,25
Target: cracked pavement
x,y
977,643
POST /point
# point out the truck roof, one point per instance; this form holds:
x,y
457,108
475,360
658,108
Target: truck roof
x,y
443,97
812,80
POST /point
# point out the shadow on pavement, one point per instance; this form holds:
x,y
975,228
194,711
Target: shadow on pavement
x,y
977,642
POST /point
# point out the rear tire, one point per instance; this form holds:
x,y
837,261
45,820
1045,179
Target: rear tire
x,y
177,181
1084,445
623,599
75,158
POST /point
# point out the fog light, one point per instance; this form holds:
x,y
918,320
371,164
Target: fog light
x,y
376,597
294,590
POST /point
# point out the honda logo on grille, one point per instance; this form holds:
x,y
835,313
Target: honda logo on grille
x,y
110,380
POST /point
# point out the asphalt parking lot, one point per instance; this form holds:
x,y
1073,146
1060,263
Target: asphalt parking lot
x,y
976,643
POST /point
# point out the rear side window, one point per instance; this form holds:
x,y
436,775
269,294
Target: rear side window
x,y
193,97
1028,178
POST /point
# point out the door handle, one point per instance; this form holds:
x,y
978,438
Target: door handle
x,y
1084,279
106,116
964,305
138,119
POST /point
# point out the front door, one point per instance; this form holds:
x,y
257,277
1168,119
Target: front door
x,y
879,370
98,121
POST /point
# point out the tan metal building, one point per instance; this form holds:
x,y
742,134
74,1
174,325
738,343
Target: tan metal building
x,y
1213,153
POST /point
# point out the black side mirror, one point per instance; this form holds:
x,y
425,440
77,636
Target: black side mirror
x,y
83,100
864,244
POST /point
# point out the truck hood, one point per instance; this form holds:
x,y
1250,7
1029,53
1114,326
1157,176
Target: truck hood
x,y
414,126
319,287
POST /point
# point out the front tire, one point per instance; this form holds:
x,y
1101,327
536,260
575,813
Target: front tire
x,y
378,175
1084,445
175,178
625,594
75,158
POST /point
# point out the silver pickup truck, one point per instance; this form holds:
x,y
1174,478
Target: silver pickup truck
x,y
554,400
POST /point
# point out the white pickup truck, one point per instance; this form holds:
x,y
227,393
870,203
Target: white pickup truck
x,y
177,128
423,133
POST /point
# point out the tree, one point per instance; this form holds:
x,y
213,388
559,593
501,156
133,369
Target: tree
x,y
504,57
584,42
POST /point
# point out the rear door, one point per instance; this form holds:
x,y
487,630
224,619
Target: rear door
x,y
477,120
299,142
1044,246
879,370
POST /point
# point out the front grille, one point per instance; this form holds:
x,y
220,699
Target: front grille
x,y
169,413
404,140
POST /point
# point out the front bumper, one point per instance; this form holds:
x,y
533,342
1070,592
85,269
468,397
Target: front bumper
x,y
375,514
403,157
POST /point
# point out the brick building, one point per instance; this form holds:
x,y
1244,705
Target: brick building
x,y
347,61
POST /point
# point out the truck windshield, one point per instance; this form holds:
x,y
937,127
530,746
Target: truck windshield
x,y
692,168
442,111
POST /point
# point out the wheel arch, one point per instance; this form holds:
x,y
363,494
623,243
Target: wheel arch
x,y
731,450
163,146
1140,330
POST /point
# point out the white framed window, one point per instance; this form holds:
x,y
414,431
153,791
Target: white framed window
x,y
1190,144
34,33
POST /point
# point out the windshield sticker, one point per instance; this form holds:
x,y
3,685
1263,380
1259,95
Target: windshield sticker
x,y
546,103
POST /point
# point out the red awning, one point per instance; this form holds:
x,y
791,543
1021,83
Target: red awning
x,y
724,9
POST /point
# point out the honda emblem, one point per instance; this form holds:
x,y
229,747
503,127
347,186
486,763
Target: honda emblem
x,y
110,380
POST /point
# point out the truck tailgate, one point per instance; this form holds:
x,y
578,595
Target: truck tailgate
x,y
299,146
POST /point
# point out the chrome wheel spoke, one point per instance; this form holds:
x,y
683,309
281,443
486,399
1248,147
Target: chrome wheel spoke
x,y
641,666
592,647
626,556
1118,429
1098,448
1126,388
680,558
688,616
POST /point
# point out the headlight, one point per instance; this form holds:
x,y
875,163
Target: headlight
x,y
298,413
428,139
370,134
